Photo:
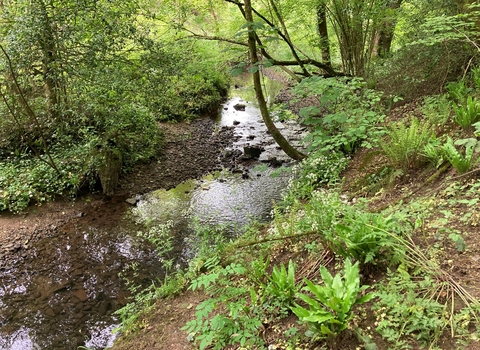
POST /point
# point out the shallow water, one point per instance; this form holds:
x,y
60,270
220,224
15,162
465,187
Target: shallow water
x,y
65,291
62,291
220,199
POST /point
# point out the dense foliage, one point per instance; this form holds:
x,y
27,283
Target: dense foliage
x,y
94,79
397,50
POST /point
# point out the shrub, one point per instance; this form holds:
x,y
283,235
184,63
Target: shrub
x,y
353,112
25,179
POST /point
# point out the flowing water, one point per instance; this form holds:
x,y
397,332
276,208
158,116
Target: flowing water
x,y
63,292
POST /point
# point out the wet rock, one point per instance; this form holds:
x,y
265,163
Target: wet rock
x,y
239,107
251,152
58,287
104,307
236,122
79,307
58,309
250,137
131,201
49,312
81,295
274,162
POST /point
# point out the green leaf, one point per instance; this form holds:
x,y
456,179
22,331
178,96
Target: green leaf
x,y
366,298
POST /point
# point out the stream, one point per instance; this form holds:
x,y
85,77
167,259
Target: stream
x,y
62,290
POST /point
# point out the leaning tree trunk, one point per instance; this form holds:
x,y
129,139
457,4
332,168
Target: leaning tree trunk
x,y
272,129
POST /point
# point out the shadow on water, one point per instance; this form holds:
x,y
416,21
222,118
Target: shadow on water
x,y
63,292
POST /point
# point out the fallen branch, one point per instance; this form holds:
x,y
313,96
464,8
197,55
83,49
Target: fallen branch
x,y
308,233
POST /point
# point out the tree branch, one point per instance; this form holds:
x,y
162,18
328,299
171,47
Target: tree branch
x,y
298,61
28,111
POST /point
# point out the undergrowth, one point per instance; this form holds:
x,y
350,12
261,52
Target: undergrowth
x,y
325,262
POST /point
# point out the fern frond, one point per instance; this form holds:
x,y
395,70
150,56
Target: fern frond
x,y
405,145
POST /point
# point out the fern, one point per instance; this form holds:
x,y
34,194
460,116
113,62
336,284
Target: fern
x,y
405,145
433,152
468,114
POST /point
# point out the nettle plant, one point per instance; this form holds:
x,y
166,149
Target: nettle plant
x,y
352,114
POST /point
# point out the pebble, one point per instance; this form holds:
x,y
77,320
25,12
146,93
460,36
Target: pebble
x,y
81,295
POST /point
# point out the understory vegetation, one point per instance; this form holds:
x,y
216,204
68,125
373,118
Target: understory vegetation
x,y
81,105
337,269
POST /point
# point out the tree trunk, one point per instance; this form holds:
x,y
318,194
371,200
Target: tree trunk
x,y
272,129
323,32
47,44
384,38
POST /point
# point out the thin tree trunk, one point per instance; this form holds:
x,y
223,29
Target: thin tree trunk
x,y
47,44
29,112
277,136
384,37
323,33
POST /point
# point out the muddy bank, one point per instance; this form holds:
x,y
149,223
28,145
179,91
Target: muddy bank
x,y
191,150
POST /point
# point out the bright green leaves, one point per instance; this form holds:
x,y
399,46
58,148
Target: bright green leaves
x,y
237,323
405,143
330,309
461,162
467,114
346,117
282,284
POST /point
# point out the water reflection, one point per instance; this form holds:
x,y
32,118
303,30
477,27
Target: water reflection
x,y
61,298
18,340
222,198
62,292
